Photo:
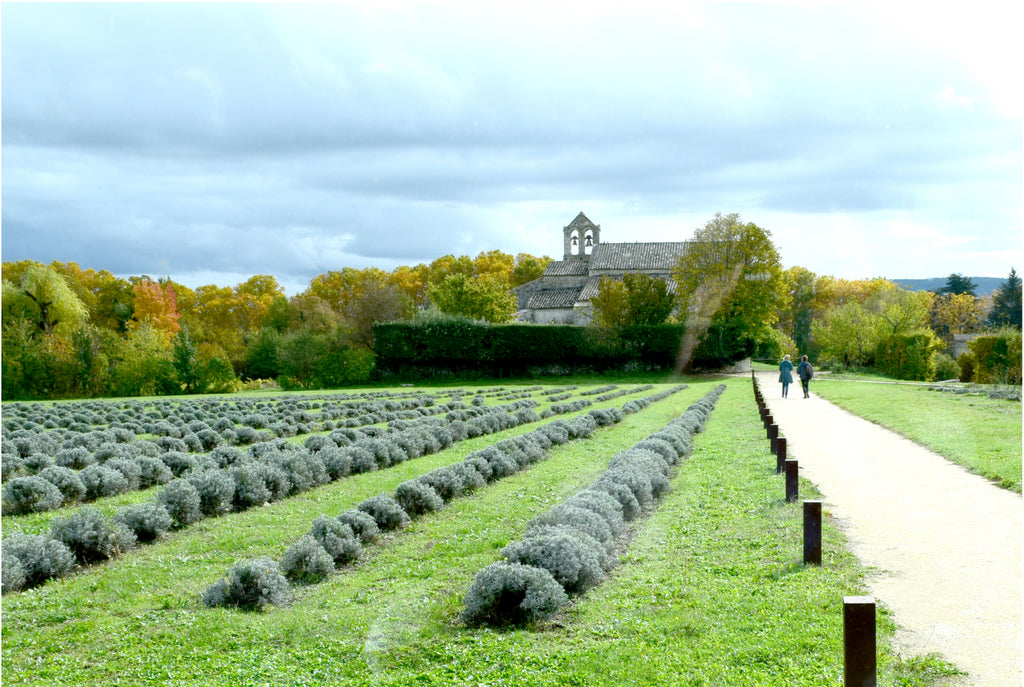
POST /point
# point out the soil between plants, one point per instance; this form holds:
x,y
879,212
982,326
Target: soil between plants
x,y
945,544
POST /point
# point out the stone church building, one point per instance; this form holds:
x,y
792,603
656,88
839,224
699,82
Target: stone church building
x,y
562,294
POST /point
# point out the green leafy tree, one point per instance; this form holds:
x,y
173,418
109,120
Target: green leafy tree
x,y
956,314
902,311
958,284
379,301
184,360
142,365
528,268
849,334
1006,303
43,295
636,299
262,359
485,298
799,311
729,277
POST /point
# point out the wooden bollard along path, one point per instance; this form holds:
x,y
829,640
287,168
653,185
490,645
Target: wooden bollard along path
x,y
859,650
812,532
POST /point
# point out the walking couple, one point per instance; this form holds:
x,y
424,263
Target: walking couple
x,y
803,370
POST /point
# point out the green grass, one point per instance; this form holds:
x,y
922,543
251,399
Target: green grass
x,y
977,432
711,590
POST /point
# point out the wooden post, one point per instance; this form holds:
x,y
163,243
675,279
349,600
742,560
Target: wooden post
x,y
780,454
792,483
859,652
812,532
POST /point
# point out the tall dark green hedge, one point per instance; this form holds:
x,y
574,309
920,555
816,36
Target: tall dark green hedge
x,y
905,356
459,346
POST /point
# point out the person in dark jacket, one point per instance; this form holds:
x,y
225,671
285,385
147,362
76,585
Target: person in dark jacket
x,y
786,374
804,371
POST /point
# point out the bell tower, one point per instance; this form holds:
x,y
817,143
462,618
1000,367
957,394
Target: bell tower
x,y
580,237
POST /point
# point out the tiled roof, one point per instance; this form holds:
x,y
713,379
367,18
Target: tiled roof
x,y
554,298
566,268
590,289
637,256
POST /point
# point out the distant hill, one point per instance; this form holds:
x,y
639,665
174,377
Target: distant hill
x,y
982,285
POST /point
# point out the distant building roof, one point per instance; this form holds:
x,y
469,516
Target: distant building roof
x,y
554,298
661,256
567,268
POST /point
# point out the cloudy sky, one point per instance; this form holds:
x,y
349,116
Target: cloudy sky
x,y
212,142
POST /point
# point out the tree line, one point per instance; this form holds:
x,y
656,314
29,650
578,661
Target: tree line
x,y
69,332
73,332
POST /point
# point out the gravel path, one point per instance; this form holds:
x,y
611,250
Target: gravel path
x,y
946,543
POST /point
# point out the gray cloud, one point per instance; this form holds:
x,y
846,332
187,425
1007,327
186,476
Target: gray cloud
x,y
287,139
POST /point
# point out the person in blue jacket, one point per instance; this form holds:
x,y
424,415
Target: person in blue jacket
x,y
786,374
804,371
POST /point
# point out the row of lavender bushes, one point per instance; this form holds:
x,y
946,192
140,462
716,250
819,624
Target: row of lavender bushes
x,y
333,542
569,549
231,480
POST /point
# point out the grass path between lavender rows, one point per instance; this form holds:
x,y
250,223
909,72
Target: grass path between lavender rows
x,y
711,590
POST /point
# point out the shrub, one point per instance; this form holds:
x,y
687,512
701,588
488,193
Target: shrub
x,y
385,511
660,447
363,525
469,476
13,573
337,539
181,500
335,461
445,482
944,367
275,479
178,462
147,521
650,465
361,458
907,356
31,494
634,479
416,497
67,481
101,481
41,558
127,467
250,487
603,504
512,594
573,564
91,536
36,463
250,586
246,435
226,456
584,520
631,508
152,471
75,458
479,465
216,490
318,442
208,438
556,432
166,443
306,561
